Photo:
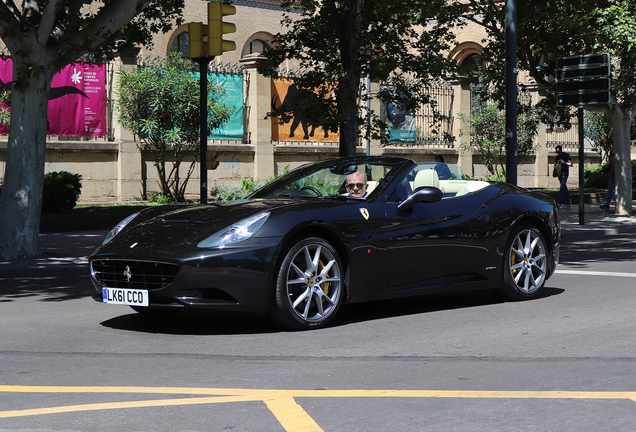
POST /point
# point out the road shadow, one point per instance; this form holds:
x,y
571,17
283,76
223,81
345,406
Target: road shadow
x,y
610,249
199,322
194,322
360,312
49,289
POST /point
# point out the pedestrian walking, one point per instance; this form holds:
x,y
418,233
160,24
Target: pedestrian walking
x,y
611,183
564,162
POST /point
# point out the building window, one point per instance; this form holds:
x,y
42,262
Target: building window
x,y
180,44
258,46
472,60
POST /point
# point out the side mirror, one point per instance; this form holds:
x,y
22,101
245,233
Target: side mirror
x,y
426,194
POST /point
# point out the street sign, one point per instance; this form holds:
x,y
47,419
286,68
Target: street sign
x,y
590,85
583,72
583,79
583,98
588,59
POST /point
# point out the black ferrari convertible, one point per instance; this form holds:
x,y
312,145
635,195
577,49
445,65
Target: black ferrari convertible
x,y
341,230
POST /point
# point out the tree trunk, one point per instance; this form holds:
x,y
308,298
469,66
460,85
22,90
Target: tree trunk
x,y
21,200
349,83
621,123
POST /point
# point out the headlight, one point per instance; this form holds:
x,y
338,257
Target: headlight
x,y
235,233
120,226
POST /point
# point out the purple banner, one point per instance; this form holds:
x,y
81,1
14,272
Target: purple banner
x,y
77,102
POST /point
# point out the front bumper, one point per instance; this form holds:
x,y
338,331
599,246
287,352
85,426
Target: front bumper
x,y
238,279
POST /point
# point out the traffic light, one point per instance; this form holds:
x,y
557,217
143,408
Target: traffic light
x,y
217,28
197,47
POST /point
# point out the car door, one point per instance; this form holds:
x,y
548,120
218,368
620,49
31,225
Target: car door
x,y
436,243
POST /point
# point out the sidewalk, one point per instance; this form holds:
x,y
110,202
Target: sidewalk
x,y
66,253
63,253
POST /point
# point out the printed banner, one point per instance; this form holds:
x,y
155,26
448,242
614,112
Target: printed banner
x,y
233,85
284,92
77,102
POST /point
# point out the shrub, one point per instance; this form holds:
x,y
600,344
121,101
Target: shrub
x,y
228,193
597,177
159,198
61,191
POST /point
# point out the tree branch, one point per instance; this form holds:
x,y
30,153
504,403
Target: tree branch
x,y
108,20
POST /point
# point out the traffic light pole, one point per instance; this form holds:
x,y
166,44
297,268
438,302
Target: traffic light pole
x,y
203,98
511,92
581,166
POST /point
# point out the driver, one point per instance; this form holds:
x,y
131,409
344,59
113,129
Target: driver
x,y
357,185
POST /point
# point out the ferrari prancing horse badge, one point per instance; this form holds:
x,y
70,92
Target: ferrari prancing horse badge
x,y
365,213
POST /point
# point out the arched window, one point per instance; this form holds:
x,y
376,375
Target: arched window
x,y
471,60
258,46
180,44
258,43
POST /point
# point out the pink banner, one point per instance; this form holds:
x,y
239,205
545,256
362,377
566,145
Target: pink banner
x,y
77,102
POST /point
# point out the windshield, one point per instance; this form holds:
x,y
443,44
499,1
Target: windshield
x,y
362,177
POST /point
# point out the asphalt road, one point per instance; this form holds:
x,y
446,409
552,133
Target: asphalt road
x,y
462,362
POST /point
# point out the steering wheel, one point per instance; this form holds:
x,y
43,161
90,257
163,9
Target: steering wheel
x,y
311,188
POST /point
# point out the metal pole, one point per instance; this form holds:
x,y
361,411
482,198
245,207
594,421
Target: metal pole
x,y
368,114
203,98
581,167
511,91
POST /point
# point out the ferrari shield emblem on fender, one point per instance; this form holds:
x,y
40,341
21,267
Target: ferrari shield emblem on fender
x,y
365,213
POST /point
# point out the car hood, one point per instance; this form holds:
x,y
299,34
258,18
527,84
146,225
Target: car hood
x,y
163,229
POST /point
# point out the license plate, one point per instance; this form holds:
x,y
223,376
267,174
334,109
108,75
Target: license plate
x,y
130,297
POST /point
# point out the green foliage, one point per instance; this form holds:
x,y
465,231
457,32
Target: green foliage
x,y
558,29
226,192
336,44
160,105
599,129
80,28
158,198
5,114
249,185
232,192
487,136
598,176
61,191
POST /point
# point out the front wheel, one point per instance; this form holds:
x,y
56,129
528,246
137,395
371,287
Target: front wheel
x,y
525,263
309,287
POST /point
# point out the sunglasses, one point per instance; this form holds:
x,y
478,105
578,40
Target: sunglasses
x,y
355,185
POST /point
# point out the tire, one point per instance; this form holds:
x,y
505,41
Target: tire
x,y
525,263
309,285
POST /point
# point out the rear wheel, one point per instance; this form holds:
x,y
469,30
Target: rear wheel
x,y
309,288
525,263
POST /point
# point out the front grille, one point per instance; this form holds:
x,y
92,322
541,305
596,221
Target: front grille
x,y
133,274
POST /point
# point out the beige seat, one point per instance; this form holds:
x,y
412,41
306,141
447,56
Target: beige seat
x,y
427,177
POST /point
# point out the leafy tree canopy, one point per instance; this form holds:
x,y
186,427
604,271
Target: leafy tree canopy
x,y
337,43
160,105
561,28
43,36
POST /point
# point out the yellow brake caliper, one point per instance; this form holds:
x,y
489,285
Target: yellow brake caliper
x,y
325,285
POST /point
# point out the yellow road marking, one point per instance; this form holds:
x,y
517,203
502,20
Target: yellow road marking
x,y
282,403
292,416
120,405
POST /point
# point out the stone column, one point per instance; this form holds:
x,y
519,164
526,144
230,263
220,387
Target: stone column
x,y
461,131
258,126
129,161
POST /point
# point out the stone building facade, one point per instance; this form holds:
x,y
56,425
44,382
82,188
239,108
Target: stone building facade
x,y
114,170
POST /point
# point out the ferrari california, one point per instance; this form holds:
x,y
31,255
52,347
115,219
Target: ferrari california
x,y
338,231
